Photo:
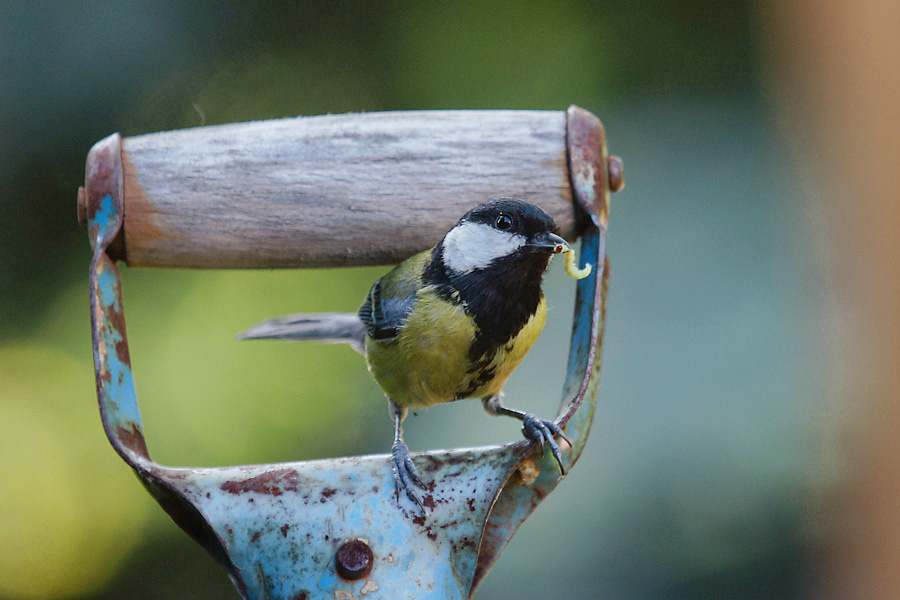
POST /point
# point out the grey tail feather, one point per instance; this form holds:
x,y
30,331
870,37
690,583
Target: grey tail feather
x,y
326,328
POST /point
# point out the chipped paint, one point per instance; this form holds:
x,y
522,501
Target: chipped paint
x,y
369,587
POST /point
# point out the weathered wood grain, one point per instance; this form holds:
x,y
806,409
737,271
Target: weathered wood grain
x,y
370,188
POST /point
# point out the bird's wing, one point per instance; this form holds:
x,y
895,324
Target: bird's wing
x,y
391,299
383,316
328,328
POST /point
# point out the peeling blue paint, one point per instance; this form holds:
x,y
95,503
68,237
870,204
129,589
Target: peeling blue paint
x,y
104,219
118,391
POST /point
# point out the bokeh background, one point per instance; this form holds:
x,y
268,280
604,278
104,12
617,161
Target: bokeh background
x,y
716,447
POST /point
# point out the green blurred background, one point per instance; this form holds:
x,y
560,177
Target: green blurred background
x,y
696,481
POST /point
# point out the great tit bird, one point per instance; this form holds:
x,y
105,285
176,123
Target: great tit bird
x,y
450,323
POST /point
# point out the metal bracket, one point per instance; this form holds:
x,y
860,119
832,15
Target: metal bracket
x,y
324,528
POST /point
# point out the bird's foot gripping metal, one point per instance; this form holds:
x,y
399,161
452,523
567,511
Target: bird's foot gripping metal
x,y
406,477
315,529
534,428
541,431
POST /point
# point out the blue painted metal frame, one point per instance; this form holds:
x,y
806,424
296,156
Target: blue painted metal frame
x,y
275,528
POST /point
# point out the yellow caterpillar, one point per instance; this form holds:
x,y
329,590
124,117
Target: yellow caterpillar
x,y
572,269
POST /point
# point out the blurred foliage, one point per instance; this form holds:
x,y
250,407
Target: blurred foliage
x,y
57,470
73,518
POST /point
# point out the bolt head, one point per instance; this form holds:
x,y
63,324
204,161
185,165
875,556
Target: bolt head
x,y
616,173
354,560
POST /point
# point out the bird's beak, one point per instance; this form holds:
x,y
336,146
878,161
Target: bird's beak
x,y
549,242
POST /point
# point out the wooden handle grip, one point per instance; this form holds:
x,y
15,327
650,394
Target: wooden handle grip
x,y
370,188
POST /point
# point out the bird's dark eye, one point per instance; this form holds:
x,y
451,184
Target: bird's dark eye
x,y
503,222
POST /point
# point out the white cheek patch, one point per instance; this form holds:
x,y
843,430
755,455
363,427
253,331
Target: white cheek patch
x,y
472,246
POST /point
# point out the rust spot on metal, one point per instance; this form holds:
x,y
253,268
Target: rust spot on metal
x,y
273,483
470,502
354,560
102,172
434,464
528,471
327,493
254,537
122,351
133,439
102,178
304,595
116,318
491,546
284,530
616,173
586,145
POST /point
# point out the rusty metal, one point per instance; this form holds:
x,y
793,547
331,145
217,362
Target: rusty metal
x,y
353,560
616,173
586,145
296,530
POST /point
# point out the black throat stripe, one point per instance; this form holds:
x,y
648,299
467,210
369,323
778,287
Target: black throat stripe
x,y
500,299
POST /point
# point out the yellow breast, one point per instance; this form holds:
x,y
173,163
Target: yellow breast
x,y
429,363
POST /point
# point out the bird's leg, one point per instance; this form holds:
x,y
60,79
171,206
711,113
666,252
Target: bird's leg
x,y
533,428
405,474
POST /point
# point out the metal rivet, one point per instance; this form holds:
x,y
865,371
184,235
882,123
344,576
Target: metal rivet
x,y
353,560
616,173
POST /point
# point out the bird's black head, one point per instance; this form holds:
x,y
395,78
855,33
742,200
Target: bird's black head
x,y
511,215
503,234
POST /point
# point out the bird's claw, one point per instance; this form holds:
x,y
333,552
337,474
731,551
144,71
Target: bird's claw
x,y
405,474
542,431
